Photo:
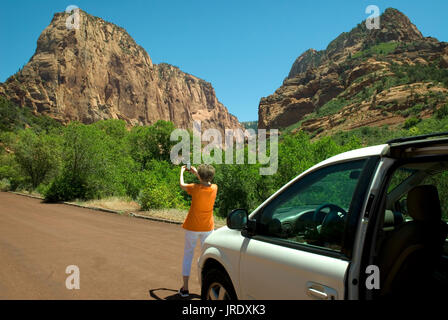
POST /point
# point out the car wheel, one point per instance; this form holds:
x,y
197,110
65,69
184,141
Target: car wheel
x,y
216,285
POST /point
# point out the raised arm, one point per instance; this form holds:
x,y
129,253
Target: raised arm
x,y
182,184
195,172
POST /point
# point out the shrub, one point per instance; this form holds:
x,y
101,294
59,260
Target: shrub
x,y
380,49
442,112
159,195
414,131
331,107
239,186
13,118
151,142
5,185
91,165
42,188
66,187
10,170
409,123
37,156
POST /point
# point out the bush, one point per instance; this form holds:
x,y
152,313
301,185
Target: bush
x,y
159,195
92,163
37,156
65,188
13,118
331,107
42,188
419,73
10,170
160,186
409,123
5,185
380,49
240,186
417,109
442,112
151,142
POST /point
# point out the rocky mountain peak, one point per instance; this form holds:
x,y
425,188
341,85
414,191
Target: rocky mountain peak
x,y
394,26
358,71
98,71
93,31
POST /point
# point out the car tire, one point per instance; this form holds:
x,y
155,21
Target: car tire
x,y
216,285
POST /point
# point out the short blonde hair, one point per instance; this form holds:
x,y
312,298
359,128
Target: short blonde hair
x,y
206,172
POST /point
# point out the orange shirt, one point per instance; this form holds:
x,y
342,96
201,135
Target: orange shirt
x,y
200,216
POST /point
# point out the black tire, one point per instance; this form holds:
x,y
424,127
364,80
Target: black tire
x,y
217,284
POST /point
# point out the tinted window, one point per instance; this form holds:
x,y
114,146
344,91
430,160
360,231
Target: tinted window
x,y
313,210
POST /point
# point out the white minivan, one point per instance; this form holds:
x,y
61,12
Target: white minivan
x,y
364,224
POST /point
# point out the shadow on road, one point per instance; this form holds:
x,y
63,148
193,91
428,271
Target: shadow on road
x,y
174,296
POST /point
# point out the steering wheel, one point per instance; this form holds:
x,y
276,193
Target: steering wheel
x,y
331,217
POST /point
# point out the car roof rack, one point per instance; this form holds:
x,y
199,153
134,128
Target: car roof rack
x,y
417,138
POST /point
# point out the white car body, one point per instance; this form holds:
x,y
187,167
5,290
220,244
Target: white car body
x,y
293,273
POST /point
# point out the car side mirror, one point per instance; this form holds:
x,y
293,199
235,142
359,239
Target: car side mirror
x,y
237,219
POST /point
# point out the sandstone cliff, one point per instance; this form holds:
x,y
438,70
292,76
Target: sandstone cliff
x,y
99,72
364,77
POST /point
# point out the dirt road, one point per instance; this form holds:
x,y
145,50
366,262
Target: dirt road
x,y
119,257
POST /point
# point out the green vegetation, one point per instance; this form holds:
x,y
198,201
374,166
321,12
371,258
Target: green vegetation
x,y
380,49
161,189
440,180
411,122
106,159
407,74
442,112
35,156
250,125
331,107
376,135
430,74
13,117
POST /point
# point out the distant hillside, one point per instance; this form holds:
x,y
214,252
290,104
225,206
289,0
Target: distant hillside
x,y
363,78
250,125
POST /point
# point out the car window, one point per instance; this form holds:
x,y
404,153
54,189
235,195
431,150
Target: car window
x,y
313,210
440,180
400,175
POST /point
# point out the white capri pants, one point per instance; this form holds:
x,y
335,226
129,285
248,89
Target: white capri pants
x,y
191,238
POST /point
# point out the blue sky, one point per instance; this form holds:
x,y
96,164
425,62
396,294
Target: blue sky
x,y
244,48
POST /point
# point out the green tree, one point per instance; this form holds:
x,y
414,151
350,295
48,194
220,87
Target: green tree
x,y
37,155
151,142
90,165
114,128
161,187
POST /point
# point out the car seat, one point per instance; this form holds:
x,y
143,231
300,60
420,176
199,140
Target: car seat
x,y
410,253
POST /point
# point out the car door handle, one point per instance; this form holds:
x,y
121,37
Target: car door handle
x,y
318,291
317,294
